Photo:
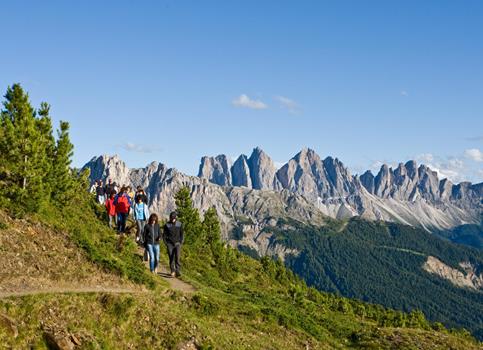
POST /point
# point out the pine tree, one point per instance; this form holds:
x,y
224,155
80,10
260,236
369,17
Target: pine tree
x,y
44,124
22,151
188,215
212,236
63,179
211,227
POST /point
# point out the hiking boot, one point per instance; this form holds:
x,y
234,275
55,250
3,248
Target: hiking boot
x,y
178,274
173,274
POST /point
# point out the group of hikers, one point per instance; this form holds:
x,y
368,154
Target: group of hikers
x,y
121,202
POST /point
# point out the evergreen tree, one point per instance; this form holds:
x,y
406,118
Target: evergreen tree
x,y
212,236
22,152
211,227
188,215
44,124
61,172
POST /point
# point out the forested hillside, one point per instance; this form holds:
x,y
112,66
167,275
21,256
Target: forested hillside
x,y
383,263
469,234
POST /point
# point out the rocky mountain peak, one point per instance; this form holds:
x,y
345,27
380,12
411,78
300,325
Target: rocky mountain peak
x,y
262,170
108,167
411,168
216,169
339,177
367,180
383,181
401,170
240,172
306,155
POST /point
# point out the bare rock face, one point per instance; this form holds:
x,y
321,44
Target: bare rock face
x,y
240,172
368,181
467,279
216,170
341,183
262,170
383,182
257,172
408,183
106,167
304,174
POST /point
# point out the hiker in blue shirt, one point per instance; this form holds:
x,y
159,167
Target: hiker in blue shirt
x,y
141,215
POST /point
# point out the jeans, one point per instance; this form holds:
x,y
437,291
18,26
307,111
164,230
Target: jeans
x,y
153,250
140,225
174,253
121,222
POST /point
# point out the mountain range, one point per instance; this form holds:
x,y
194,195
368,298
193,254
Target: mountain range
x,y
250,193
408,194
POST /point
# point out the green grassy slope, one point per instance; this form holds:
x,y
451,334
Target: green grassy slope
x,y
239,303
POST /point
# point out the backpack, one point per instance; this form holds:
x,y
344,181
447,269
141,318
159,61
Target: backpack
x,y
122,204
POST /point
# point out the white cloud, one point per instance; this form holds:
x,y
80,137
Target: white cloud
x,y
456,163
246,102
133,147
376,165
452,168
425,157
474,154
445,172
404,93
287,103
455,168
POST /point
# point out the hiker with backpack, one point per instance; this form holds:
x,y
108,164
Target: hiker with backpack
x,y
141,215
111,211
151,237
123,204
173,237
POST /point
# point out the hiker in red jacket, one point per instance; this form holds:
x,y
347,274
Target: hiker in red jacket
x,y
111,211
123,204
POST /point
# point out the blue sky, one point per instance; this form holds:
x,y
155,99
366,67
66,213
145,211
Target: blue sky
x,y
364,81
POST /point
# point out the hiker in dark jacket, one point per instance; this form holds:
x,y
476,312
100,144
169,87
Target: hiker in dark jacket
x,y
151,238
140,194
101,193
109,188
173,237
